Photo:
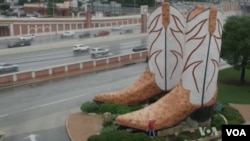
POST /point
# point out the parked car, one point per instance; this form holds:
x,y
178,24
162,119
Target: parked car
x,y
7,68
27,37
100,53
116,28
84,35
139,48
80,48
68,34
101,33
126,31
19,43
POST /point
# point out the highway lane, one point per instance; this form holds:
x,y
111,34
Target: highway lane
x,y
54,57
41,109
56,37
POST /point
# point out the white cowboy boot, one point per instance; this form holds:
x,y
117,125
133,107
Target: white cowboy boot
x,y
165,60
198,87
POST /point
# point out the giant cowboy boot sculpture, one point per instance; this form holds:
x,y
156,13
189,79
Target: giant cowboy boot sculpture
x,y
142,89
197,88
172,57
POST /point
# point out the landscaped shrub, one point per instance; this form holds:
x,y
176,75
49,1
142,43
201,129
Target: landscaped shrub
x,y
121,135
89,107
109,129
181,137
109,121
158,139
232,115
114,108
97,138
217,121
139,137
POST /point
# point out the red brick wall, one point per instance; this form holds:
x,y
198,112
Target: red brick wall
x,y
42,73
125,58
24,76
74,67
58,70
6,79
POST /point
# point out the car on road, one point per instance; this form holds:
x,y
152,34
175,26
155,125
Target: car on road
x,y
27,37
80,48
139,48
101,33
100,53
7,68
68,34
19,43
126,31
84,35
116,28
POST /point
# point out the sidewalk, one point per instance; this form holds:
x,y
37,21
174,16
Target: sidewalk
x,y
80,126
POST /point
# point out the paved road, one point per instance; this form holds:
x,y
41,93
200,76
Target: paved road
x,y
59,56
44,39
41,109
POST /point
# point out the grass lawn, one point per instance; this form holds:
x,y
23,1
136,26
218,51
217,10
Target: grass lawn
x,y
230,89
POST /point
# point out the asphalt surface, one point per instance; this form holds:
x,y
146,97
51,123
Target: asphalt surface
x,y
40,110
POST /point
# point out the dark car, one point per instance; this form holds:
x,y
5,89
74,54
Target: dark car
x,y
19,43
126,31
139,48
7,68
84,35
101,33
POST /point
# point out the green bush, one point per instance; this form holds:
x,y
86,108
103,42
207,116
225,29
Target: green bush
x,y
139,137
109,121
89,107
97,138
123,136
232,115
217,121
114,108
158,139
109,129
181,137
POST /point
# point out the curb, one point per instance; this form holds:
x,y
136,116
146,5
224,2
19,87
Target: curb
x,y
67,129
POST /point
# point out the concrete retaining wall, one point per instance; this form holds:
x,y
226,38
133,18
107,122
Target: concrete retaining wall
x,y
31,76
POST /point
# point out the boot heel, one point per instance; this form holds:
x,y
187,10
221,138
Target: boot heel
x,y
202,114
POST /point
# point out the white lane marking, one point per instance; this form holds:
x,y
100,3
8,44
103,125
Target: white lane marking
x,y
43,105
32,137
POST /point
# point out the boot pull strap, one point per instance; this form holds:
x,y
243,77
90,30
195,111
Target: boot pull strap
x,y
212,19
165,14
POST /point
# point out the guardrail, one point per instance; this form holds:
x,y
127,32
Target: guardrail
x,y
32,76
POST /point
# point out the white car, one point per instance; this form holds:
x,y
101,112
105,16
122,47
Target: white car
x,y
100,53
27,37
98,50
80,48
68,34
116,28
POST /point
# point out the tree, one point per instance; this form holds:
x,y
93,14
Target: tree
x,y
50,9
236,43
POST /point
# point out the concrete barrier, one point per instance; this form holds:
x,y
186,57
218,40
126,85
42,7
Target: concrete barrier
x,y
31,76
